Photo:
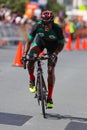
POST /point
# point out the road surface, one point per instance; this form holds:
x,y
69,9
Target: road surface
x,y
20,111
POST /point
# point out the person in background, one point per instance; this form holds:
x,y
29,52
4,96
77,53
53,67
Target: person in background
x,y
72,29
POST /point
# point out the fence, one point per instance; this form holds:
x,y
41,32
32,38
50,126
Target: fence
x,y
13,33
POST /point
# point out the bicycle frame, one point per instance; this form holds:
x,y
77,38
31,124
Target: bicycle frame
x,y
40,71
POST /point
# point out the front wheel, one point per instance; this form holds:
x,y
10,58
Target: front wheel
x,y
43,95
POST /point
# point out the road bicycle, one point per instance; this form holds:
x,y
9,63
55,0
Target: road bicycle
x,y
41,89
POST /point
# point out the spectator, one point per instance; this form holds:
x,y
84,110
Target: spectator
x,y
72,29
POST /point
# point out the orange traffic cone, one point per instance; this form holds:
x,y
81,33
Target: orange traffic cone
x,y
77,44
17,60
68,46
84,44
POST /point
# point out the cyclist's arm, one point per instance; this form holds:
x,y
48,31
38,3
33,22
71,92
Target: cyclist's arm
x,y
60,48
27,46
30,39
60,39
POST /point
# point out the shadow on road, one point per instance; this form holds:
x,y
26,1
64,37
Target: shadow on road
x,y
76,123
59,117
13,119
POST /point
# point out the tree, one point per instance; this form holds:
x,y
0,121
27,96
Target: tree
x,y
19,5
56,7
16,5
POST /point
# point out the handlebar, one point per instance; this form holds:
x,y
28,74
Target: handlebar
x,y
32,58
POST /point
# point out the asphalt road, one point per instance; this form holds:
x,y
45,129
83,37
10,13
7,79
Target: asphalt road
x,y
20,111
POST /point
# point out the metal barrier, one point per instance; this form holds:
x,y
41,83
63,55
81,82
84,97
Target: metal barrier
x,y
13,33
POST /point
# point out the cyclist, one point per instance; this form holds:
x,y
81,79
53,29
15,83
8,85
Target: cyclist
x,y
44,34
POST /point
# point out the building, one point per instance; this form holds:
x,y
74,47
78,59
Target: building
x,y
77,3
73,3
66,2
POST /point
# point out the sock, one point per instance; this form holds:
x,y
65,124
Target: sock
x,y
50,91
32,77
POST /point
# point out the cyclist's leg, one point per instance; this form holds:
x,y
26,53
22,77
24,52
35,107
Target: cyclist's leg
x,y
51,82
34,50
37,48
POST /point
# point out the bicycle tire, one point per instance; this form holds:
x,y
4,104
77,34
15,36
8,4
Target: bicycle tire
x,y
37,95
43,96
